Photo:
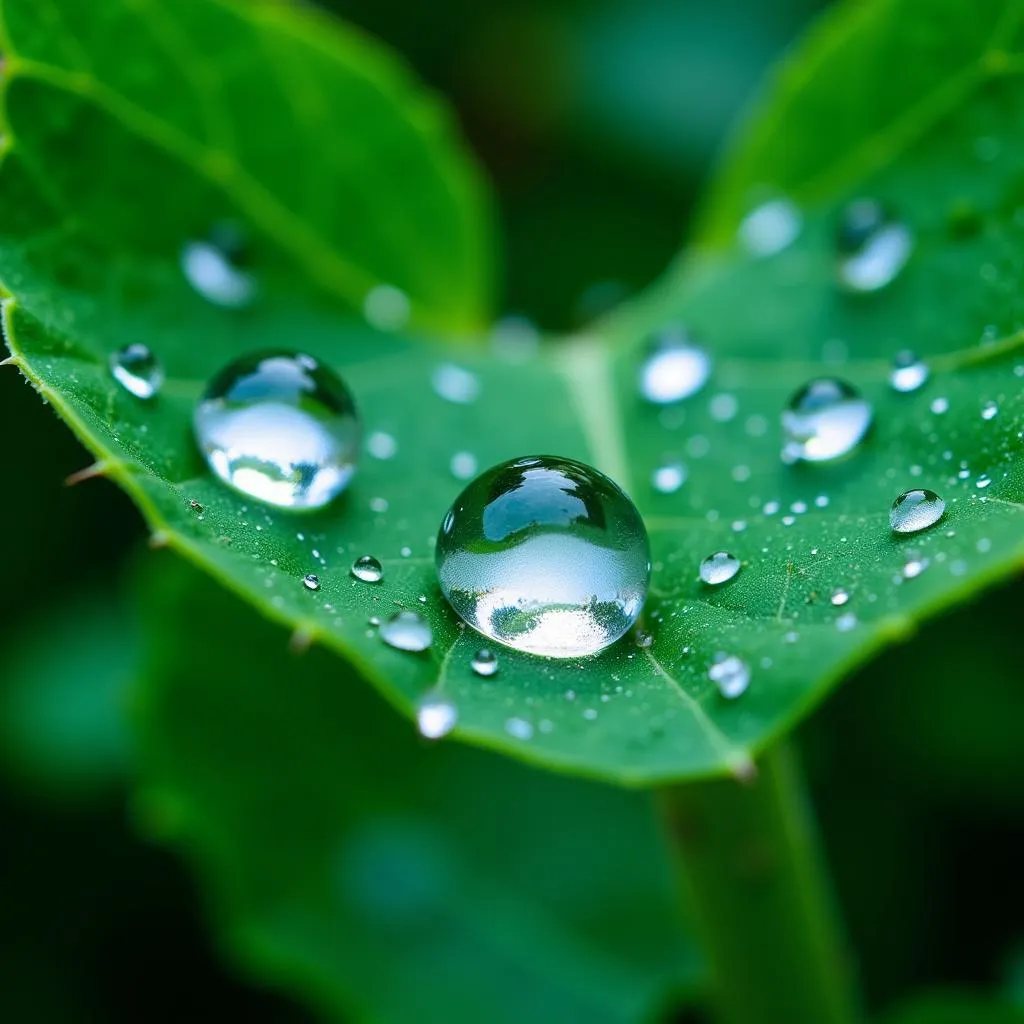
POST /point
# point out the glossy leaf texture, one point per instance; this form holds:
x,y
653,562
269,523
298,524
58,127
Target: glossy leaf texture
x,y
380,875
191,113
634,714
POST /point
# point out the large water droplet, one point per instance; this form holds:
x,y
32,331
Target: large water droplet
x,y
916,510
436,716
407,631
368,569
137,370
215,267
485,662
730,674
824,421
770,227
674,369
872,246
545,555
719,567
279,427
908,372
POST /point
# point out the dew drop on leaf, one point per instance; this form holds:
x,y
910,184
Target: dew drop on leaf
x,y
914,566
455,384
545,555
731,674
436,716
871,245
519,729
908,372
485,662
770,227
386,308
989,410
407,631
824,421
463,465
311,581
667,479
137,370
939,405
279,427
839,596
846,622
368,569
381,445
916,510
215,267
719,567
674,368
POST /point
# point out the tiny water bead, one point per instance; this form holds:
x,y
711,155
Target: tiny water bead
x,y
839,597
545,555
485,662
137,370
368,569
718,568
463,465
386,307
916,510
407,631
872,246
436,716
908,373
674,369
731,674
667,479
455,384
770,227
215,267
311,581
279,427
824,421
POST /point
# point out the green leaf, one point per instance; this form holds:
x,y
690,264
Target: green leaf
x,y
385,877
344,170
632,715
955,1007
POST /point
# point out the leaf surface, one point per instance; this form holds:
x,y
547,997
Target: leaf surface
x,y
633,715
381,876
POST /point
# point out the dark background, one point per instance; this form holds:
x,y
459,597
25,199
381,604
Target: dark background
x,y
597,121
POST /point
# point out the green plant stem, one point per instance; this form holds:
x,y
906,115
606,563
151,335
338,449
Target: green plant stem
x,y
756,888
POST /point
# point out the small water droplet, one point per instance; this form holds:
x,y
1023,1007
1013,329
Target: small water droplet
x,y
846,622
455,384
669,478
914,566
939,405
280,427
463,465
436,716
719,567
407,631
983,481
381,445
643,640
379,505
311,581
770,227
675,368
215,267
824,421
908,372
723,407
730,674
989,410
519,729
368,569
916,510
137,370
545,555
485,662
872,246
839,596
386,307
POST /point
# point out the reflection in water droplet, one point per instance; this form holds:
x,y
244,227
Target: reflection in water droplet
x,y
436,716
770,227
215,267
368,569
386,308
916,510
908,372
463,465
730,674
839,596
279,427
674,369
719,567
669,478
872,246
455,384
407,631
311,581
137,370
824,421
545,555
485,662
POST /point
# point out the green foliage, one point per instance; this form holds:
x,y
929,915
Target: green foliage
x,y
380,875
89,252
